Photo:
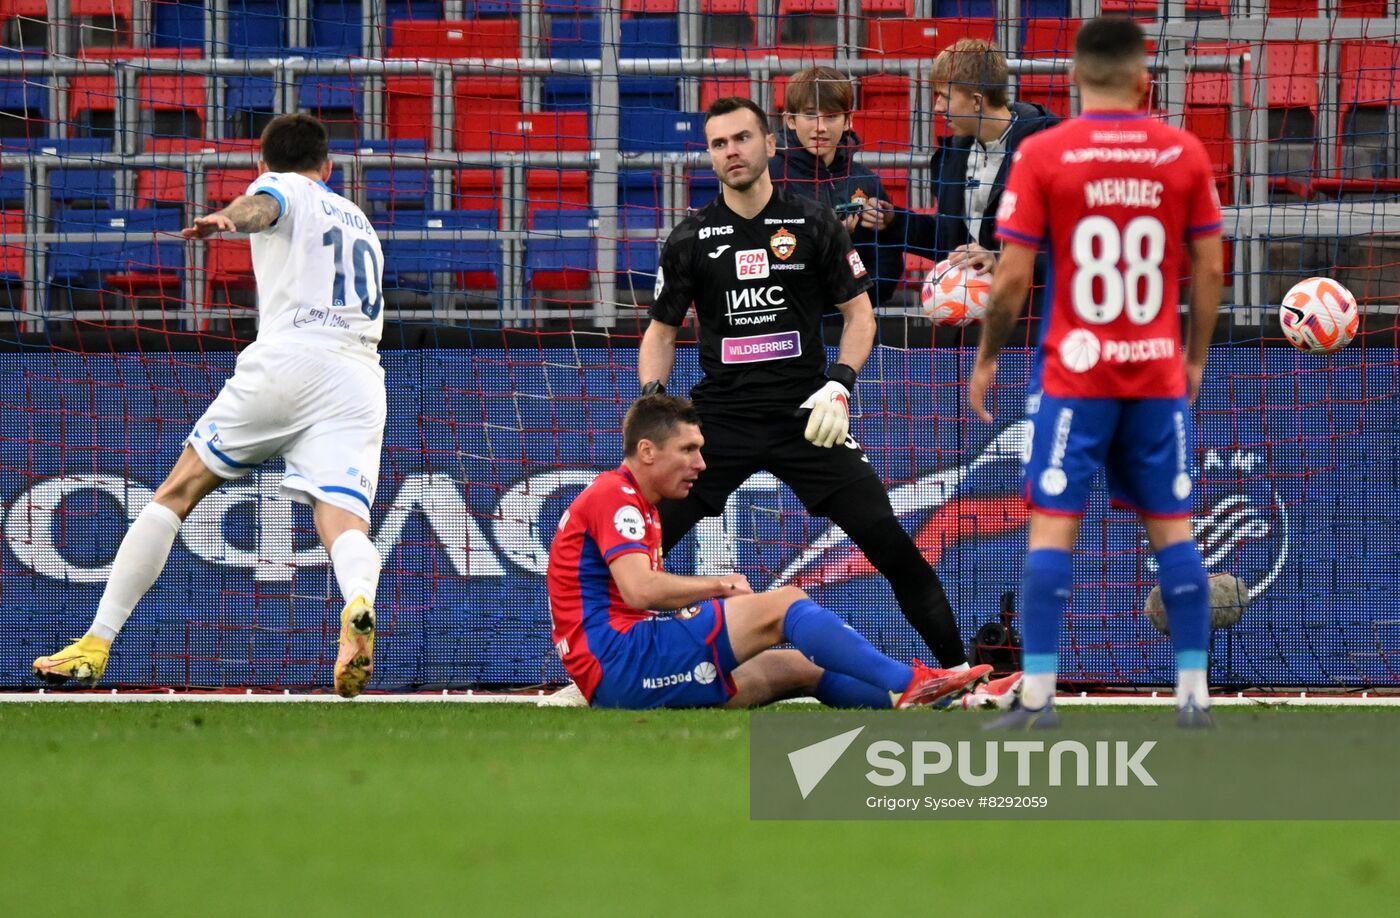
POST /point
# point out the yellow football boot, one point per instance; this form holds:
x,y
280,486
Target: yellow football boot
x,y
83,660
356,659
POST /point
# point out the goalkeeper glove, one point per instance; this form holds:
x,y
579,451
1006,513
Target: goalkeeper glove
x,y
654,388
830,420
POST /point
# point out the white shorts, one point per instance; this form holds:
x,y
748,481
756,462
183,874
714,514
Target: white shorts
x,y
320,411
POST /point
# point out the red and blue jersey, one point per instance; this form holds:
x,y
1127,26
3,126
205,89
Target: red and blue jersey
x,y
1116,195
609,519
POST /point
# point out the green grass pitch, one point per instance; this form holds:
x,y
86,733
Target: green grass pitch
x,y
422,809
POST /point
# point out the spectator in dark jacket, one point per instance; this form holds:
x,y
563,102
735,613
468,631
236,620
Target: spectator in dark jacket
x,y
969,169
815,160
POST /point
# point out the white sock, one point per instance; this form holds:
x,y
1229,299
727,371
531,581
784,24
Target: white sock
x,y
1191,685
1038,690
356,562
139,561
959,668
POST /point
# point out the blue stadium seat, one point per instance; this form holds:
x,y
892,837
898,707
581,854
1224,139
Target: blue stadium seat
x,y
643,130
337,100
336,27
413,9
581,38
565,94
704,188
560,263
88,187
410,263
91,186
387,189
256,28
640,249
91,264
177,23
22,102
961,8
248,103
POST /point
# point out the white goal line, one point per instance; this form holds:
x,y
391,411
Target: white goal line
x,y
1083,699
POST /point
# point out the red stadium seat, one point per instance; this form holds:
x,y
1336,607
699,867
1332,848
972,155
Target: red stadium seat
x,y
1368,73
649,7
1212,125
896,8
477,189
718,88
517,131
882,113
409,102
896,184
11,254
420,38
1047,38
921,38
557,189
1292,70
156,92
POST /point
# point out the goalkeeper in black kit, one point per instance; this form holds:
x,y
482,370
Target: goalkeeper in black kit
x,y
761,266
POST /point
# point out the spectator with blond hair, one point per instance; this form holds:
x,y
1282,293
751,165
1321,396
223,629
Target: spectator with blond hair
x,y
969,169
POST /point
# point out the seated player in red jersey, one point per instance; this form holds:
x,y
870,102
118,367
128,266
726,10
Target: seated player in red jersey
x,y
605,576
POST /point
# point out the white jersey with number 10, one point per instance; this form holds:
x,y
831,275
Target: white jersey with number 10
x,y
319,270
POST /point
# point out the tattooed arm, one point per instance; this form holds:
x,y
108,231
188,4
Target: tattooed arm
x,y
249,213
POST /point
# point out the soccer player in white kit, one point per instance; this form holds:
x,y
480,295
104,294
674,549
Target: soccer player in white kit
x,y
310,389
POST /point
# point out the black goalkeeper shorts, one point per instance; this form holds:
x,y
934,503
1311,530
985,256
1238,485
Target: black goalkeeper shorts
x,y
736,448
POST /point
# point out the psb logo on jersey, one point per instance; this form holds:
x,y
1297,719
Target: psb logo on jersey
x,y
783,244
751,264
629,523
707,231
660,283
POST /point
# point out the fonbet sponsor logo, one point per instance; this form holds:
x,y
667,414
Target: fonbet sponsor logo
x,y
919,763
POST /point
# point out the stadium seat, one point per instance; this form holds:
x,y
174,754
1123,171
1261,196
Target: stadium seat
x,y
336,27
516,131
809,25
728,26
1212,125
650,7
256,28
559,262
11,248
177,23
1047,38
409,102
141,260
396,10
719,87
24,27
643,130
1368,71
896,184
228,267
578,39
442,39
336,100
702,187
921,38
477,189
171,105
101,23
557,189
640,249
87,187
882,113
1292,70
24,107
412,263
248,105
894,9
958,9
387,189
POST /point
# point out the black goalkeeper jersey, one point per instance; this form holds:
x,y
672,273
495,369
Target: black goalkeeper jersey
x,y
760,287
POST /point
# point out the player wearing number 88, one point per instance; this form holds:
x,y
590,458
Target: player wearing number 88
x,y
310,390
1123,202
1319,315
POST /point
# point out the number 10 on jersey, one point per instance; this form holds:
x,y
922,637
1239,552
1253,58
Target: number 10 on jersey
x,y
366,267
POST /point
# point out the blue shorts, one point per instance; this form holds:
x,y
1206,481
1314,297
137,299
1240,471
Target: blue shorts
x,y
681,661
1144,445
